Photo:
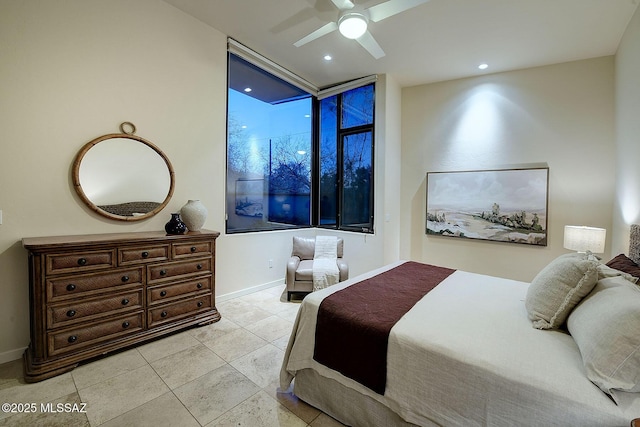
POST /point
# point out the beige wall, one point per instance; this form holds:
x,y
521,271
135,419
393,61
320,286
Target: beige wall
x,y
388,106
627,194
74,70
562,115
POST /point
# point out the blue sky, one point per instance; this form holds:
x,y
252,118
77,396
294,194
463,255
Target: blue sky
x,y
264,121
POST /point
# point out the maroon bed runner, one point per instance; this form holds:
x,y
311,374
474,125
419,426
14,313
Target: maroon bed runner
x,y
352,332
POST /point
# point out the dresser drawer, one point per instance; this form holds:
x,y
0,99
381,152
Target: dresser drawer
x,y
95,333
62,288
74,311
179,309
193,249
79,261
164,293
143,254
180,269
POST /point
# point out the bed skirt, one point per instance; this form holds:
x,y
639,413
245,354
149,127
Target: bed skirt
x,y
343,403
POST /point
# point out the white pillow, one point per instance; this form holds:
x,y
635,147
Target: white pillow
x,y
606,271
606,327
558,288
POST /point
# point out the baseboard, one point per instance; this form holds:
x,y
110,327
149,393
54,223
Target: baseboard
x,y
11,355
247,291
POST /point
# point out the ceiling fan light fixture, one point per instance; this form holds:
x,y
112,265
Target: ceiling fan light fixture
x,y
352,25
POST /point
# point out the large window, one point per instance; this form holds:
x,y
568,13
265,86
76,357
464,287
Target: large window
x,y
269,141
346,160
289,166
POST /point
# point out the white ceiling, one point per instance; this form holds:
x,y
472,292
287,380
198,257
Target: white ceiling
x,y
438,40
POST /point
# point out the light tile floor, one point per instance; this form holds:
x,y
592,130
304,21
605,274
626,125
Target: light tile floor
x,y
221,374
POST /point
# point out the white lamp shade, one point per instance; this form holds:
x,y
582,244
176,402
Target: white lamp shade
x,y
583,239
352,25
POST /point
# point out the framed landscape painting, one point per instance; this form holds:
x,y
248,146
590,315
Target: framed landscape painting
x,y
505,205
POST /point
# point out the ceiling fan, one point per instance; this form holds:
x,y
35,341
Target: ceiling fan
x,y
353,21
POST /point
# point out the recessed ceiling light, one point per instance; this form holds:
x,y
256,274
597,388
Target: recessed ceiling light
x,y
483,66
247,89
328,58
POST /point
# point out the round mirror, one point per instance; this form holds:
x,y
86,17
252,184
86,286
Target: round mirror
x,y
122,176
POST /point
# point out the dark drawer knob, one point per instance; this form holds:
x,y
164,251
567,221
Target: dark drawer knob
x,y
71,313
125,301
163,293
199,266
145,254
72,339
199,286
200,303
71,287
82,261
164,314
193,249
125,325
125,278
163,272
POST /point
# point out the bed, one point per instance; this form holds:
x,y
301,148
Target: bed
x,y
466,354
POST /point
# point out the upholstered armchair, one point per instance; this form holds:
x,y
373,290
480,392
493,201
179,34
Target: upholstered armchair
x,y
300,266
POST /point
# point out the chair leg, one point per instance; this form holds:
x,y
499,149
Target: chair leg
x,y
288,296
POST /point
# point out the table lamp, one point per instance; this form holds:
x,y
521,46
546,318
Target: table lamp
x,y
584,239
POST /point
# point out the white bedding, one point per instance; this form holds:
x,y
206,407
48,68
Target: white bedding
x,y
466,354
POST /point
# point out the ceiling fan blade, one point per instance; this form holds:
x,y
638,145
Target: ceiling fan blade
x,y
371,45
391,7
324,30
343,4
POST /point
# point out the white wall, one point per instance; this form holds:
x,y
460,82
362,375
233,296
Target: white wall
x,y
562,115
72,71
389,103
627,194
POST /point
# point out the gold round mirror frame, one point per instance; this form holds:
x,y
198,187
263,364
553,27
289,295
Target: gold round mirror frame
x,y
127,132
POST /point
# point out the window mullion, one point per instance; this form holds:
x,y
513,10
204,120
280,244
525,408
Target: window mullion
x,y
315,163
339,163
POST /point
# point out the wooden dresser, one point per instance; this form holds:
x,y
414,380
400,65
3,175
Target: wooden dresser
x,y
93,294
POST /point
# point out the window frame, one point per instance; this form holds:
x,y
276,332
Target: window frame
x,y
266,223
317,95
341,135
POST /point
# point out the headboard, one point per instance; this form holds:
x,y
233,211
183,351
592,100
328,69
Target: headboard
x,y
634,243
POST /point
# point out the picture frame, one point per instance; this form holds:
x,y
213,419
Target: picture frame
x,y
504,205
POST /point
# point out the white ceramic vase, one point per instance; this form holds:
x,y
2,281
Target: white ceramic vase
x,y
193,214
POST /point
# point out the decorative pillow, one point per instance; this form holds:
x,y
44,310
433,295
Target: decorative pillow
x,y
605,326
558,288
605,271
625,264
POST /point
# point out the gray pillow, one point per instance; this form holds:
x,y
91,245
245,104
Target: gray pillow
x,y
606,326
606,271
558,288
